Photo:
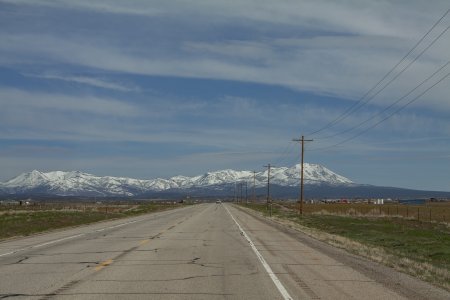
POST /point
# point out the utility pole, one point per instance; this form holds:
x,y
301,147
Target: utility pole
x,y
269,166
240,186
254,186
246,192
302,140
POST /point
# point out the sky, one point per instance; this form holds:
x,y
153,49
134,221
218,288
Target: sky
x,y
150,89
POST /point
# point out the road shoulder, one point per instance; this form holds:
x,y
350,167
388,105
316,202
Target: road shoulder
x,y
403,284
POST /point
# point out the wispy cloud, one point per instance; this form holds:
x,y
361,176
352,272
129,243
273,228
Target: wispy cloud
x,y
114,7
235,124
317,65
92,81
356,16
15,102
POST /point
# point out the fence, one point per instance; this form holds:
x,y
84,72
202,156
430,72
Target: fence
x,y
434,212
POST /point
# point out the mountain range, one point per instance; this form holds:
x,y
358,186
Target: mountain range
x,y
319,182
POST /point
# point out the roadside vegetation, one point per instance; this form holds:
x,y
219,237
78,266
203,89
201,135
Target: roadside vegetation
x,y
419,248
26,220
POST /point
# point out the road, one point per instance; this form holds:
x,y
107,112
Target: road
x,y
207,251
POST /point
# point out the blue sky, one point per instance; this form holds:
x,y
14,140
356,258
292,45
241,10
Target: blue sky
x,y
159,88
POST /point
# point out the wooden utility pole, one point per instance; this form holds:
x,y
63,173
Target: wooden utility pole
x,y
246,192
268,201
241,186
302,140
254,186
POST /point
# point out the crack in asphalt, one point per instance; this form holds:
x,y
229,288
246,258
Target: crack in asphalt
x,y
20,260
194,262
179,279
302,284
60,290
4,296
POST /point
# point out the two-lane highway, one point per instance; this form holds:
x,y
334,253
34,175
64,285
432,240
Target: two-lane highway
x,y
208,251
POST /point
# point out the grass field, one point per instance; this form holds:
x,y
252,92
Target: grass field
x,y
419,248
436,212
26,220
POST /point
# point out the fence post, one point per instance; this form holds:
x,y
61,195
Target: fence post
x,y
418,213
407,212
388,211
430,214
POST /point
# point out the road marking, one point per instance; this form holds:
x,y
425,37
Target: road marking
x,y
103,264
59,240
70,237
266,266
41,245
143,242
12,252
66,238
115,226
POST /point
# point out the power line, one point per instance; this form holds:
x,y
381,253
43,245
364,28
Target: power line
x,y
396,76
285,154
387,117
294,160
343,117
358,105
391,105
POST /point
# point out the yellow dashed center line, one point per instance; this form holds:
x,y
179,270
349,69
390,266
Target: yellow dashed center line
x,y
103,264
143,242
110,261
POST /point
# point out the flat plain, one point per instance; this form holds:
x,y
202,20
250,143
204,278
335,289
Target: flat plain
x,y
206,251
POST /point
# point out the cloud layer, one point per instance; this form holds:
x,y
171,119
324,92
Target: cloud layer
x,y
226,83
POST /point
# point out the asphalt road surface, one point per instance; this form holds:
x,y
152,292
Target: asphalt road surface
x,y
207,251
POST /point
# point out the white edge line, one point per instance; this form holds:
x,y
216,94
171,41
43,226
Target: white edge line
x,y
56,241
266,266
8,253
66,238
41,245
115,226
63,239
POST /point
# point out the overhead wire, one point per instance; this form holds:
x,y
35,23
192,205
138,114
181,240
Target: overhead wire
x,y
284,155
396,76
357,105
387,117
390,106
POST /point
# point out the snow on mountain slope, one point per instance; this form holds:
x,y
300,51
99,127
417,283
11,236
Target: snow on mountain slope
x,y
77,183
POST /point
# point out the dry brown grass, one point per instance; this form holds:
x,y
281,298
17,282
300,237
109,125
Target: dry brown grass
x,y
431,212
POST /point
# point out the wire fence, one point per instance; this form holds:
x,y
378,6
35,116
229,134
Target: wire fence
x,y
77,207
425,213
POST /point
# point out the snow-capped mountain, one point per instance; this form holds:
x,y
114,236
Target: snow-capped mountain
x,y
76,183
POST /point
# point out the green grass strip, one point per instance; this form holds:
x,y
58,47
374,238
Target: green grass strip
x,y
23,223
